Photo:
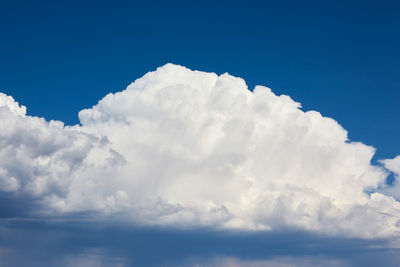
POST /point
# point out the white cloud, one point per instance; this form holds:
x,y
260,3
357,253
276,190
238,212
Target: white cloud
x,y
47,160
185,148
392,165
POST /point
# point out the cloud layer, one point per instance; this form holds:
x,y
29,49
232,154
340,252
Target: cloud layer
x,y
182,148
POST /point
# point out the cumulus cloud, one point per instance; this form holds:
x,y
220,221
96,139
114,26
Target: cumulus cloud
x,y
393,188
185,148
393,165
50,162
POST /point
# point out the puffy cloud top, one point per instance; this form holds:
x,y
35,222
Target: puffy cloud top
x,y
184,148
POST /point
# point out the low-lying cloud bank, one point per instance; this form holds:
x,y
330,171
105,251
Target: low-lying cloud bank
x,y
181,148
67,244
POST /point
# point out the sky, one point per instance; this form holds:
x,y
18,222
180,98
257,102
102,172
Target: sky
x,y
112,182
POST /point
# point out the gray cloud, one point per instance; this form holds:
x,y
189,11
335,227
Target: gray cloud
x,y
47,243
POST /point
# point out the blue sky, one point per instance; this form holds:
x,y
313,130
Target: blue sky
x,y
340,58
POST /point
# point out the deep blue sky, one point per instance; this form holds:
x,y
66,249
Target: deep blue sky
x,y
341,58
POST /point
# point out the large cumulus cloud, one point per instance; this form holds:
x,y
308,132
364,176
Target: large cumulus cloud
x,y
184,148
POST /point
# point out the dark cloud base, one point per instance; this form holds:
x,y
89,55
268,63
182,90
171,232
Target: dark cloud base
x,y
49,243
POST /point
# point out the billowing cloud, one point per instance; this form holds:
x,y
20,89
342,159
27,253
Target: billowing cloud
x,y
182,148
393,165
393,188
50,162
